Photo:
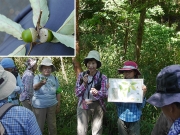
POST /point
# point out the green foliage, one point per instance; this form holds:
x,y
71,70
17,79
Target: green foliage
x,y
112,27
104,26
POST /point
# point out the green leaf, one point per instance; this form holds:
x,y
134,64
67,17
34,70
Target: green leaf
x,y
120,87
67,40
133,83
133,88
10,27
68,26
129,89
37,6
125,83
19,51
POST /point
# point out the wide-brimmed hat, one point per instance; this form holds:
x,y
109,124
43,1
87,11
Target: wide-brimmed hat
x,y
30,62
7,83
47,62
129,65
167,87
93,55
7,63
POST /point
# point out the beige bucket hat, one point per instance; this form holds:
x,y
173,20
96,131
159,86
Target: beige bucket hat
x,y
47,62
93,55
7,83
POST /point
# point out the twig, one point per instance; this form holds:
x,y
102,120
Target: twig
x,y
38,26
31,46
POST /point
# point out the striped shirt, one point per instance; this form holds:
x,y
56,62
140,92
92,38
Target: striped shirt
x,y
81,89
27,80
130,112
19,121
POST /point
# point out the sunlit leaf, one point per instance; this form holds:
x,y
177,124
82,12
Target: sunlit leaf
x,y
68,26
67,40
19,51
37,6
10,27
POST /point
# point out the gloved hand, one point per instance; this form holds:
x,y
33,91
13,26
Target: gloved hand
x,y
17,89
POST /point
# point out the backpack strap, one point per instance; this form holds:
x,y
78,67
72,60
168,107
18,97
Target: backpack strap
x,y
100,77
6,107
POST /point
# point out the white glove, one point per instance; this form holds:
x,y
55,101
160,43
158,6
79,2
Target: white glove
x,y
17,89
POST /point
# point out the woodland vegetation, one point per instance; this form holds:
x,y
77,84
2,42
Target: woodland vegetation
x,y
145,31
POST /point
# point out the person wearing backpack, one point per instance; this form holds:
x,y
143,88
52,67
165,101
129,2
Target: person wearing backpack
x,y
8,65
27,79
14,120
46,98
91,91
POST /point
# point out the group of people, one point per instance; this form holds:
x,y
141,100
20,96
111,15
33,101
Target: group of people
x,y
92,90
92,94
39,95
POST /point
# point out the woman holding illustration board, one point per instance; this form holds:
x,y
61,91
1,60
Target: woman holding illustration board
x,y
129,113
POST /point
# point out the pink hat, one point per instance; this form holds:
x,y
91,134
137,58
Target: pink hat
x,y
30,62
129,65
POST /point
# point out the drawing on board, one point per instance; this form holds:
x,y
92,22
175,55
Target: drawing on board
x,y
125,90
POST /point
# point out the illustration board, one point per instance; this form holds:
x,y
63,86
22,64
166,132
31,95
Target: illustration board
x,y
125,90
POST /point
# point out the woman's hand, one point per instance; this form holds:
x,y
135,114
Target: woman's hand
x,y
57,109
93,91
144,88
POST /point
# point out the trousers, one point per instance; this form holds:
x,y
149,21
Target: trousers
x,y
94,114
128,128
46,113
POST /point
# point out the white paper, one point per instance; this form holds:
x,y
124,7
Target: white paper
x,y
125,90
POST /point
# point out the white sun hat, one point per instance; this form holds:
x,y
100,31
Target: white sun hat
x,y
7,83
47,62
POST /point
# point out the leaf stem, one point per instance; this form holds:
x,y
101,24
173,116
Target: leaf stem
x,y
31,46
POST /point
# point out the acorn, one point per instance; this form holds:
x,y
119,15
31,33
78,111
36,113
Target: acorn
x,y
29,35
45,35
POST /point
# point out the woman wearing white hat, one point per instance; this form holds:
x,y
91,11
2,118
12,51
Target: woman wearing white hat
x,y
46,99
17,120
27,79
91,91
8,65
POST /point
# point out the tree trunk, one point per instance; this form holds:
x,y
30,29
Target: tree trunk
x,y
125,44
140,30
76,63
63,70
